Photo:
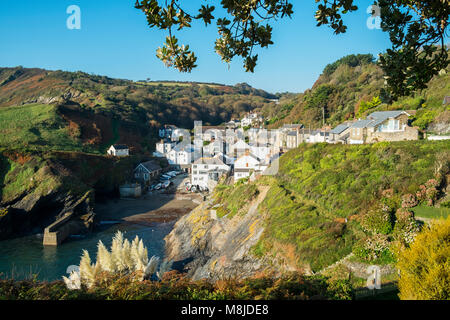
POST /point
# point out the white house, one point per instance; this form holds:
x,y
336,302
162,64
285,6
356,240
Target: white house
x,y
246,165
261,151
118,150
164,147
250,119
206,172
238,149
183,155
319,136
214,148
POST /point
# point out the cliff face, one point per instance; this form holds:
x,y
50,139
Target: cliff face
x,y
216,248
38,189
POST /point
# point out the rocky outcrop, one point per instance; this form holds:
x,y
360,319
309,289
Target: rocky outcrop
x,y
214,248
32,212
57,184
70,94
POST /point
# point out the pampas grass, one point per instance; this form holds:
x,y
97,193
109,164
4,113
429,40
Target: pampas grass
x,y
125,259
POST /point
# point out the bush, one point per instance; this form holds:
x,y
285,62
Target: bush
x,y
406,227
378,221
425,266
374,249
409,201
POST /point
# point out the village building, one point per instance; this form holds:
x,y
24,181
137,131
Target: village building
x,y
214,148
206,172
383,126
238,149
147,171
210,133
446,100
179,134
164,147
133,190
182,156
252,118
166,131
261,151
292,140
341,133
247,165
119,150
233,124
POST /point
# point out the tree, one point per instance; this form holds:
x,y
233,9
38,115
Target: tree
x,y
425,266
414,27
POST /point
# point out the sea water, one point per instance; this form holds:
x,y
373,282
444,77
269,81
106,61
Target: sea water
x,y
26,257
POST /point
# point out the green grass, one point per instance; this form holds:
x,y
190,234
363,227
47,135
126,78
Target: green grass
x,y
31,176
431,212
319,186
35,127
234,199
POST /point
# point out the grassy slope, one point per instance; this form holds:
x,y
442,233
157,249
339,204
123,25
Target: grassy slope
x,y
102,110
36,127
320,185
343,90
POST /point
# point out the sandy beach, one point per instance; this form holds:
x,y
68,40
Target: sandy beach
x,y
154,207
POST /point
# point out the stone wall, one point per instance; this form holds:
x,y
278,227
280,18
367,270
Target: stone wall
x,y
410,133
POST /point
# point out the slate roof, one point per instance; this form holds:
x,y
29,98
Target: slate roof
x,y
184,147
376,118
361,123
340,128
209,161
120,147
151,166
385,114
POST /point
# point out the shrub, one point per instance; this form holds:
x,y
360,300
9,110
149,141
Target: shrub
x,y
406,227
431,195
373,249
425,266
378,221
409,201
3,212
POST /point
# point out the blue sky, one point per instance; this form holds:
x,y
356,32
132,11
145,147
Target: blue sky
x,y
115,41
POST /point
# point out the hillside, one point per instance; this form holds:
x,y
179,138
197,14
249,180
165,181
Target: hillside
x,y
326,202
351,88
38,187
56,110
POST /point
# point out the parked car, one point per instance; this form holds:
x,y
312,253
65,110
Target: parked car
x,y
158,186
166,184
171,173
165,177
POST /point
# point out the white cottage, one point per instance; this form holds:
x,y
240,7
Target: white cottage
x,y
247,164
206,172
119,150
